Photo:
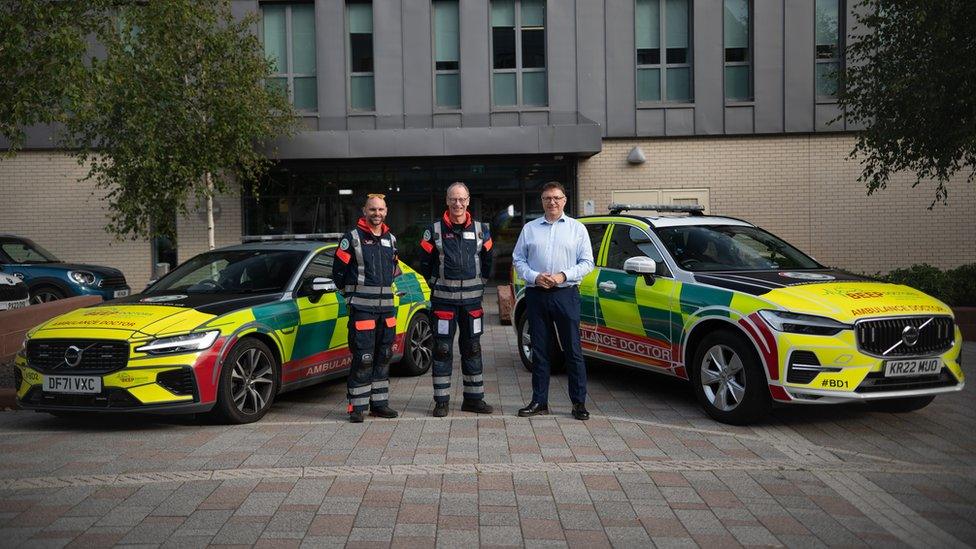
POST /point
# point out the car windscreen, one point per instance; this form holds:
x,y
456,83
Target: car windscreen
x,y
232,272
731,248
26,251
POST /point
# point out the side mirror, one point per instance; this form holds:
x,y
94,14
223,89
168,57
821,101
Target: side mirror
x,y
640,265
323,285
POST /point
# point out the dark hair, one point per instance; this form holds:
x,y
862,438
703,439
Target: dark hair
x,y
553,185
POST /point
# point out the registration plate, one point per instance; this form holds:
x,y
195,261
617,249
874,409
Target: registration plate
x,y
72,384
912,367
120,293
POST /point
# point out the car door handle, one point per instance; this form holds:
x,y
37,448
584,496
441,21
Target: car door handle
x,y
401,294
608,286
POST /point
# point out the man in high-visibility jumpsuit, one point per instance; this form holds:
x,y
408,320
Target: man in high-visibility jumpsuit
x,y
456,255
364,267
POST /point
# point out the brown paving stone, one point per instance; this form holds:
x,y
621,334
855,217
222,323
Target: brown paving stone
x,y
96,540
668,479
664,527
348,488
297,507
716,540
411,542
499,481
265,543
836,506
57,534
331,525
783,524
586,538
414,513
452,522
533,528
719,498
40,515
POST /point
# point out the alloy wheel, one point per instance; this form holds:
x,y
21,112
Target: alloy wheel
x,y
420,344
43,296
252,381
723,377
526,341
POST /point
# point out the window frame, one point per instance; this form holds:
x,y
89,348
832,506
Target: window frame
x,y
433,46
839,58
349,72
519,70
663,65
749,62
289,75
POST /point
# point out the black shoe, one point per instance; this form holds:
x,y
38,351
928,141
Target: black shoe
x,y
383,411
355,417
441,409
477,406
579,412
534,409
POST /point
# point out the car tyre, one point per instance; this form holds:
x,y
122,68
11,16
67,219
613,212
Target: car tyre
x,y
44,294
728,379
418,346
249,380
901,405
556,360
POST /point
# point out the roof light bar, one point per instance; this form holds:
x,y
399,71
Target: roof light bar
x,y
671,208
281,237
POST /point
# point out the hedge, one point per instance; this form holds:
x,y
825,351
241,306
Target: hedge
x,y
957,287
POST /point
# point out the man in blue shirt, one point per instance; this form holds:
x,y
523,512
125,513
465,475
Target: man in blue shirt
x,y
553,255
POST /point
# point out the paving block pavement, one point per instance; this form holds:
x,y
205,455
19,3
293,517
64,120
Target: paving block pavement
x,y
649,469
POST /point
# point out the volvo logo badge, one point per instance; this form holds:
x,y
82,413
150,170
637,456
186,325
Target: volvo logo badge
x,y
909,335
72,356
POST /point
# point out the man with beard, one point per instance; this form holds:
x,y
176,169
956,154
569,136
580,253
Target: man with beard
x,y
365,266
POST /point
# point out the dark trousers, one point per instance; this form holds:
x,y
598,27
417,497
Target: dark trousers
x,y
559,307
371,344
468,322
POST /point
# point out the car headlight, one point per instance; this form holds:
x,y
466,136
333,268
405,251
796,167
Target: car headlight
x,y
180,344
82,277
795,323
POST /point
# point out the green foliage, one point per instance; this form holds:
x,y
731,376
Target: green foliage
x,y
910,80
42,52
178,95
956,287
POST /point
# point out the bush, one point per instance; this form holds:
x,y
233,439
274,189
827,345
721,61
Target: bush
x,y
956,287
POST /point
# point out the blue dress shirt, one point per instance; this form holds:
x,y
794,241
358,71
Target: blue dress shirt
x,y
560,247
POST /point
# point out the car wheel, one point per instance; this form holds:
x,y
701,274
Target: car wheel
x,y
556,362
901,405
249,381
418,352
43,294
728,379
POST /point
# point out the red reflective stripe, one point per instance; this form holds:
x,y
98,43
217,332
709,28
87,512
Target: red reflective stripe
x,y
476,313
365,324
391,322
343,256
427,246
444,315
488,244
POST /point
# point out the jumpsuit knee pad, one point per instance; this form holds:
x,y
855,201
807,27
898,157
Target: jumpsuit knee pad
x,y
442,350
366,359
471,349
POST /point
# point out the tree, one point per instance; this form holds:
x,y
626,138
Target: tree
x,y
177,108
911,82
42,52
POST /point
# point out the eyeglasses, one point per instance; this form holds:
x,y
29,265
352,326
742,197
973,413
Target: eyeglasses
x,y
553,198
376,195
458,200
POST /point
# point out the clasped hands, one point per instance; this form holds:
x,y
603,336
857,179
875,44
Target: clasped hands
x,y
548,280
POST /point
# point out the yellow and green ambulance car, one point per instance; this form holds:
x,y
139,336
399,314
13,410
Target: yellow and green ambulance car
x,y
750,320
224,332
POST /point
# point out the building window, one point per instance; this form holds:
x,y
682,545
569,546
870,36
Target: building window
x,y
828,32
288,33
447,86
518,38
362,96
670,72
738,50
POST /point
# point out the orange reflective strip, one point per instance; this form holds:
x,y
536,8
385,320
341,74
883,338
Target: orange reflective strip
x,y
427,246
391,322
476,313
365,325
343,256
488,244
444,315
